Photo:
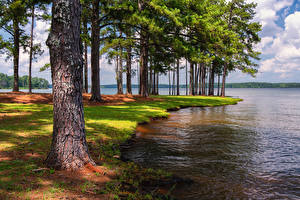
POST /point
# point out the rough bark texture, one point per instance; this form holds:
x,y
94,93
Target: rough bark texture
x,y
144,66
143,56
16,53
31,46
86,84
95,53
128,71
69,150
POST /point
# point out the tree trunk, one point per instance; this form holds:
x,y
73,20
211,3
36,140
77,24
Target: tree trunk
x,y
196,78
150,82
192,89
30,51
95,53
69,150
157,82
186,77
178,91
16,53
218,84
223,81
144,65
120,73
169,73
154,83
212,80
128,71
203,79
200,79
143,55
86,84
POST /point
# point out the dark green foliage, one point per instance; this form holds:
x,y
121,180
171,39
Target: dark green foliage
x,y
6,82
262,85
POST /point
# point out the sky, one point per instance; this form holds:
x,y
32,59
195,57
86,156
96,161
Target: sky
x,y
280,47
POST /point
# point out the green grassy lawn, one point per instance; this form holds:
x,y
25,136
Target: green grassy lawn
x,y
25,138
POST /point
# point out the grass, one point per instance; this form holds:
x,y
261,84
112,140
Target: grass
x,y
25,137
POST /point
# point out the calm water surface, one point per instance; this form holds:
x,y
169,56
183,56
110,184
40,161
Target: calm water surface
x,y
245,151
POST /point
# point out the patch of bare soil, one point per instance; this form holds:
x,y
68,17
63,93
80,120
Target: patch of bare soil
x,y
40,98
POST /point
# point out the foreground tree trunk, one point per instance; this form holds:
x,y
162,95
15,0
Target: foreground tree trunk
x,y
30,51
69,150
95,53
16,53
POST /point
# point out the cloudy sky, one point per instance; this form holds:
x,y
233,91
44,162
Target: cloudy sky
x,y
280,47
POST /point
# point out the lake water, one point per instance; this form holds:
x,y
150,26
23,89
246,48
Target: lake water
x,y
245,151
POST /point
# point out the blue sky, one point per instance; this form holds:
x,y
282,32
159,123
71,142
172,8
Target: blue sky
x,y
280,47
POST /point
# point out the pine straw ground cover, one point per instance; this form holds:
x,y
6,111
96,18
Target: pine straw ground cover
x,y
25,137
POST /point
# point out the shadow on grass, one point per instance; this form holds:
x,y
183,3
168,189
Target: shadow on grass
x,y
26,131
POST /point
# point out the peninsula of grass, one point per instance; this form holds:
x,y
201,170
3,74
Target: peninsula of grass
x,y
25,138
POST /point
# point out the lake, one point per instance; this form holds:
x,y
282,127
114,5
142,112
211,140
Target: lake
x,y
245,151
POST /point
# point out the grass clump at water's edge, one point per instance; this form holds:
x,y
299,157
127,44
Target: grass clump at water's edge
x,y
26,131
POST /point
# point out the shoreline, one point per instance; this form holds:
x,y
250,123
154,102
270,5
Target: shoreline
x,y
107,127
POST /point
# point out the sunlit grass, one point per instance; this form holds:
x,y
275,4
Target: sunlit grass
x,y
26,129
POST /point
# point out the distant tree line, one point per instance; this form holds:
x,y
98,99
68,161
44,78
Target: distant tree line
x,y
7,82
228,85
262,85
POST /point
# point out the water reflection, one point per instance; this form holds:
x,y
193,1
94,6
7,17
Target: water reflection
x,y
250,150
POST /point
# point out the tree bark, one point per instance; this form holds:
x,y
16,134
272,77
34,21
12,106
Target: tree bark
x,y
69,150
218,85
203,80
169,73
86,84
30,51
157,83
186,77
223,81
212,80
196,78
178,90
192,88
128,71
120,73
16,53
200,79
144,65
95,53
150,88
143,55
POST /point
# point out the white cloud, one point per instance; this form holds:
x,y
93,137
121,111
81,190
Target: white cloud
x,y
285,49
